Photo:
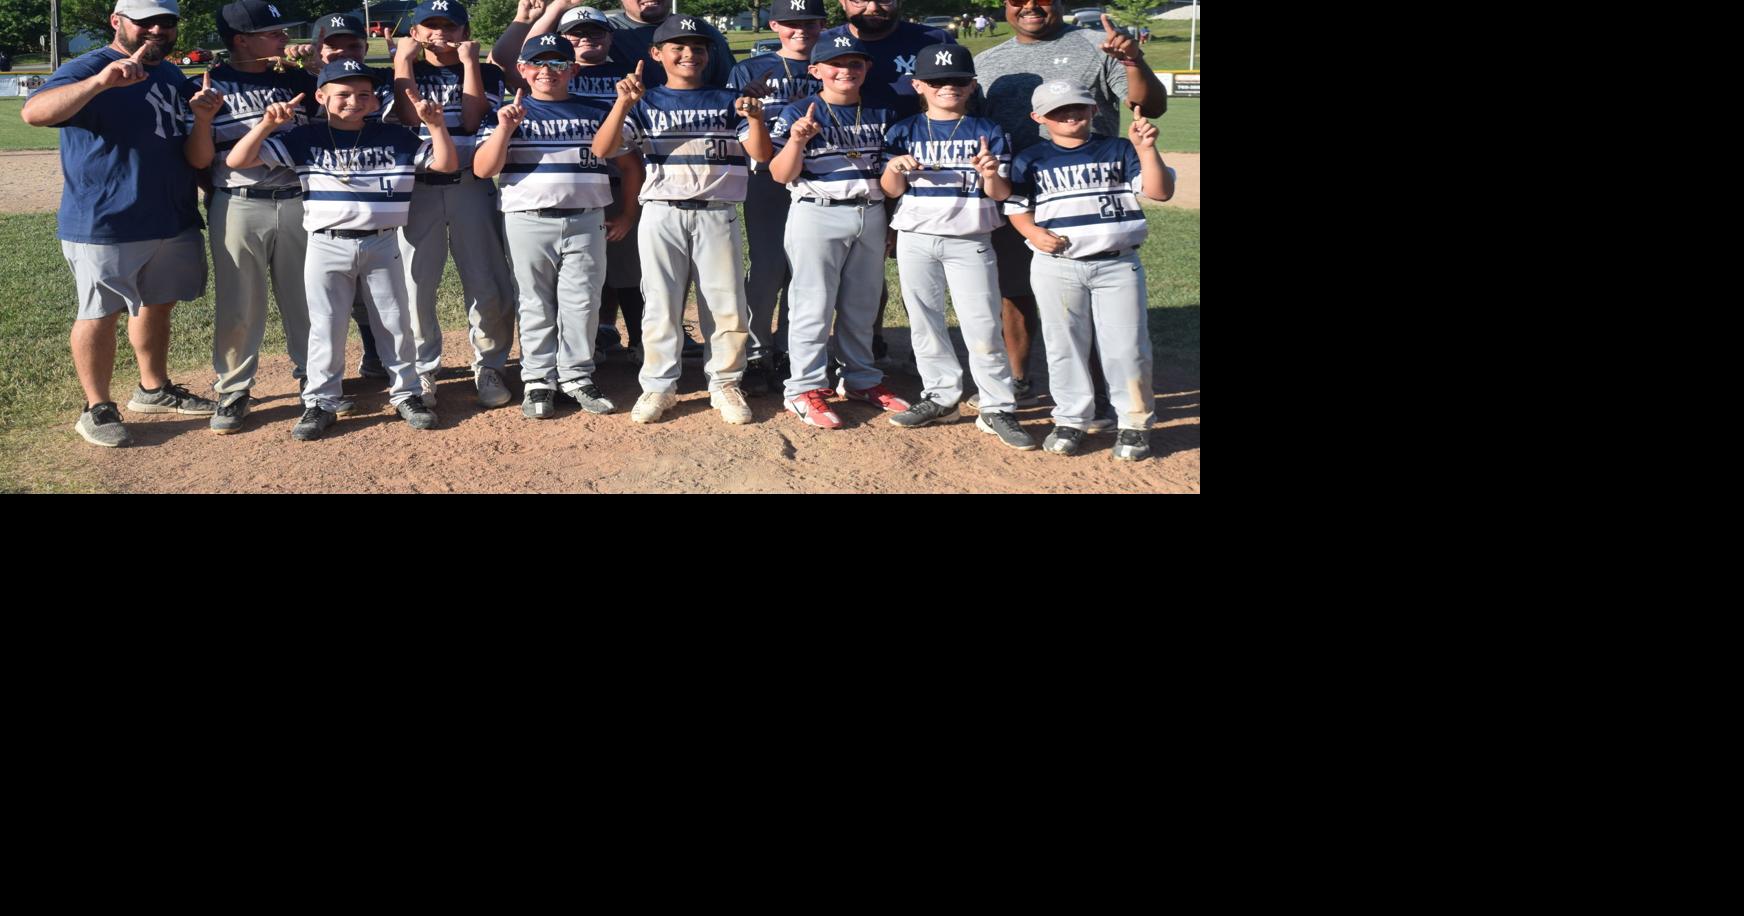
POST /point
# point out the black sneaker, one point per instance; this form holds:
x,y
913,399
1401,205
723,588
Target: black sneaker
x,y
1064,440
314,422
756,380
416,414
1004,425
171,398
232,410
1021,393
100,424
539,404
590,398
924,411
1132,445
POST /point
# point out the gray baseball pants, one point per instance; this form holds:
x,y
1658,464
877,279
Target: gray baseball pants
x,y
1100,302
837,255
249,238
558,265
929,264
331,275
766,206
678,246
459,218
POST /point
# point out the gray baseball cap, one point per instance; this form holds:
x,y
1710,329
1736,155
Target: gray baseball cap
x,y
145,9
1055,94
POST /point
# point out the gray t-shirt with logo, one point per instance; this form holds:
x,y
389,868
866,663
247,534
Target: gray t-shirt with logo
x,y
1010,72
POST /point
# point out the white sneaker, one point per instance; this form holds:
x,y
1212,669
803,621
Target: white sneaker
x,y
491,390
427,387
730,401
651,405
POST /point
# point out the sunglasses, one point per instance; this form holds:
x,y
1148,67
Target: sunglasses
x,y
549,64
955,82
1019,4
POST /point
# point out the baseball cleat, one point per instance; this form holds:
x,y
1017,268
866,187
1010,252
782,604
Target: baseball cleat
x,y
232,410
416,414
877,395
651,405
539,404
730,401
314,422
814,409
1064,440
1132,445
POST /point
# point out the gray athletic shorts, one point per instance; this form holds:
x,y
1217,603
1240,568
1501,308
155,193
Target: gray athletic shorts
x,y
1014,257
128,275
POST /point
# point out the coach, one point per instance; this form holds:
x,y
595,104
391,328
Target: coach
x,y
1103,60
129,226
894,46
635,25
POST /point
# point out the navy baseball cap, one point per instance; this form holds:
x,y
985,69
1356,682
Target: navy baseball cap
x,y
452,10
339,25
345,70
677,26
247,16
580,16
837,47
796,10
548,43
943,61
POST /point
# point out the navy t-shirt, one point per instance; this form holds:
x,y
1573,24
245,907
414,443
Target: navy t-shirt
x,y
126,177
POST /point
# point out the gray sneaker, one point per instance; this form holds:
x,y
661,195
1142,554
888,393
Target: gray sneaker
x,y
100,424
416,414
171,398
590,398
539,404
314,422
491,390
1004,425
1064,440
1132,445
232,410
924,411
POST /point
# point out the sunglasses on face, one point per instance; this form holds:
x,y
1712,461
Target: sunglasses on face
x,y
887,4
955,82
1019,4
548,64
161,22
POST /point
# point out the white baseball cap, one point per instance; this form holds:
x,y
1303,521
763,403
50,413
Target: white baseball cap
x,y
583,15
145,9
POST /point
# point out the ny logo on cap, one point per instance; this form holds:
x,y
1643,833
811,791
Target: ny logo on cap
x,y
274,11
439,5
548,40
844,41
337,22
689,24
352,65
943,57
798,5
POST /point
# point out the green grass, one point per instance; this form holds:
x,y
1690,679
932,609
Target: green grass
x,y
15,134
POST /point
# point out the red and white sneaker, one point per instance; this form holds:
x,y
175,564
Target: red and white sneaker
x,y
812,408
877,395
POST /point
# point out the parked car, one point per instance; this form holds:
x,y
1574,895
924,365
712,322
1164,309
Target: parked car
x,y
948,23
765,46
197,56
1085,16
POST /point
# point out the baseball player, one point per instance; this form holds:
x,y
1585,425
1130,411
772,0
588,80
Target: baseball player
x,y
358,176
1074,200
781,78
829,154
947,176
129,222
554,194
256,214
454,212
633,43
696,140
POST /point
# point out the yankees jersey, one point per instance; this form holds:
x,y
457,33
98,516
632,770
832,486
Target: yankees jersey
x,y
127,179
384,93
352,179
831,167
788,78
550,163
893,59
1088,193
246,96
692,141
599,84
946,198
442,85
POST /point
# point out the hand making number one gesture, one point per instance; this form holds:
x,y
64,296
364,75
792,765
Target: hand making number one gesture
x,y
985,163
630,88
208,101
510,116
282,112
1119,45
126,71
807,127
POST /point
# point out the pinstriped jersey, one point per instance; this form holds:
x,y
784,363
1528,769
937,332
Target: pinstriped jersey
x,y
830,168
945,198
599,84
443,86
246,96
352,179
788,78
692,141
1088,193
549,161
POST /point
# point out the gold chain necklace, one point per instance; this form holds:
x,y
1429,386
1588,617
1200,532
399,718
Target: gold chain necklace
x,y
851,154
345,174
963,180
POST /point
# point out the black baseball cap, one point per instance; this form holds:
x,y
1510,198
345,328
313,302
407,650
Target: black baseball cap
x,y
246,16
345,70
838,46
452,10
339,25
796,10
943,61
548,43
677,26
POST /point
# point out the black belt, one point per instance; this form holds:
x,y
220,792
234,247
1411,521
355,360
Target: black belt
x,y
439,178
265,193
560,212
1104,256
690,204
351,233
850,202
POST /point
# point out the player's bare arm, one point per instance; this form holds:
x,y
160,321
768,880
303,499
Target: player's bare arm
x,y
46,109
405,87
443,156
1044,240
1144,92
493,153
787,164
631,174
206,104
611,132
474,107
1158,182
246,153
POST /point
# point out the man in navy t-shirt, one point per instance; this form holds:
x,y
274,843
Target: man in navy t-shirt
x,y
129,226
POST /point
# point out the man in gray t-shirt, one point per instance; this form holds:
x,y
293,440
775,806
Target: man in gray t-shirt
x,y
1043,47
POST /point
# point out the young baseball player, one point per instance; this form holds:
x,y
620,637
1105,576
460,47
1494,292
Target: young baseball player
x,y
1074,199
554,194
358,176
947,172
256,215
454,212
782,77
829,154
696,140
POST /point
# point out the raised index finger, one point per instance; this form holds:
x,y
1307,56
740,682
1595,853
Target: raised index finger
x,y
1108,25
638,69
984,149
811,112
296,101
517,98
206,81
